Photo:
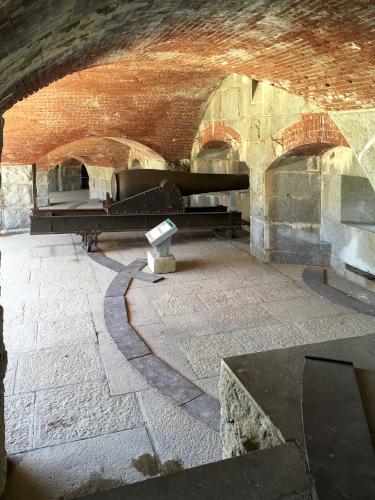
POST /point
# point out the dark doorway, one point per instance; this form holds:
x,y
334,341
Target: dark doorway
x,y
84,177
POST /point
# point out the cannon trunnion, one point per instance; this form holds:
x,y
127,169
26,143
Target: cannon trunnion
x,y
140,200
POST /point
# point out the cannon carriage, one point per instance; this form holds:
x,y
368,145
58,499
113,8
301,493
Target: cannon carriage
x,y
140,200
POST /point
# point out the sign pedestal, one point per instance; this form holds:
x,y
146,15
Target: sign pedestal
x,y
161,265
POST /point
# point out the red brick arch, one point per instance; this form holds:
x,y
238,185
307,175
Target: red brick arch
x,y
219,132
314,134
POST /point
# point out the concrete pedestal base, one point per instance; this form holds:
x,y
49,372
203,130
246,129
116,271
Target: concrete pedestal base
x,y
161,265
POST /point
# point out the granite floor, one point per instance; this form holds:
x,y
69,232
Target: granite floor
x,y
79,417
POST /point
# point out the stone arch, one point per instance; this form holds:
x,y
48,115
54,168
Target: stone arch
x,y
218,133
313,134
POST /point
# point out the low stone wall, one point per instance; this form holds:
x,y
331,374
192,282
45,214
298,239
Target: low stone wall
x,y
244,427
16,195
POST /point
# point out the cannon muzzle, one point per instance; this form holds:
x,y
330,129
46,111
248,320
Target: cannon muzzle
x,y
129,183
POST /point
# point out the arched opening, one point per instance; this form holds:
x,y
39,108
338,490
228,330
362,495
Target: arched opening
x,y
220,157
84,178
68,184
135,164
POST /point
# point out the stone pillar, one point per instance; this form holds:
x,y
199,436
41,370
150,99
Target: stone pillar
x,y
3,366
16,195
257,215
99,181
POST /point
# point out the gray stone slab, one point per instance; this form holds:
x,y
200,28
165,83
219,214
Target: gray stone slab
x,y
169,351
49,368
84,467
206,409
122,378
19,421
165,379
178,437
80,411
69,330
269,474
289,311
273,379
122,333
103,260
314,278
119,285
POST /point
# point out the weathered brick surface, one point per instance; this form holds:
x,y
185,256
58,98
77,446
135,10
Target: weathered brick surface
x,y
314,134
163,60
146,102
322,49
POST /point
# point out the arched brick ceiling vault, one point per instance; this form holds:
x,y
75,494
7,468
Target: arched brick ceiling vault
x,y
150,103
94,151
321,49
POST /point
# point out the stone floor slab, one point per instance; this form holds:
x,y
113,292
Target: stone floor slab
x,y
66,331
20,338
289,311
177,436
238,318
335,327
49,368
170,304
10,375
209,386
281,291
122,378
85,467
140,311
50,309
204,353
206,409
19,421
271,337
81,411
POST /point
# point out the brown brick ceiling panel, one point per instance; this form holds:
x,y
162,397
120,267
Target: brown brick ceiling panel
x,y
314,134
321,49
151,103
93,151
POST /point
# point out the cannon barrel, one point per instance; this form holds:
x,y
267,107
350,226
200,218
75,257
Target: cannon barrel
x,y
132,182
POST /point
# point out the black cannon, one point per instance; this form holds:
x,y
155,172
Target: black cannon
x,y
140,200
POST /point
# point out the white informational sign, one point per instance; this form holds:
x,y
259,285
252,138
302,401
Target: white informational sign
x,y
161,233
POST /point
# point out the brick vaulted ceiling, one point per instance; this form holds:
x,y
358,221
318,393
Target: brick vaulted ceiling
x,y
158,61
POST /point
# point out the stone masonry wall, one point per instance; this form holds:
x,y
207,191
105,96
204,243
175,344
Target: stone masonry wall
x,y
16,195
3,367
352,244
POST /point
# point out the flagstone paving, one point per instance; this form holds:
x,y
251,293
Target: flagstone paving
x,y
79,415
